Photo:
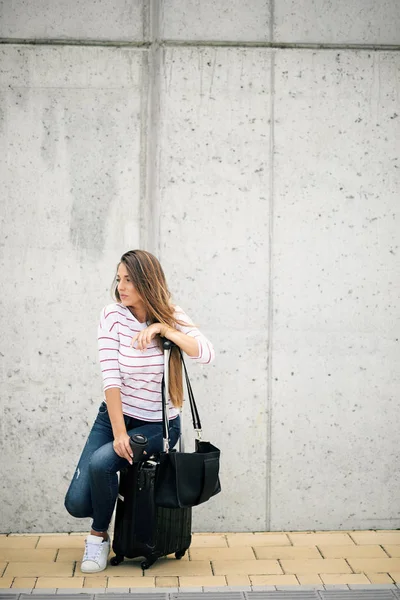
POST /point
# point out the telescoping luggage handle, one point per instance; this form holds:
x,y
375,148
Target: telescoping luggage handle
x,y
168,345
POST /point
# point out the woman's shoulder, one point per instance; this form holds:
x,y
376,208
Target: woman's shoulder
x,y
177,310
112,311
181,316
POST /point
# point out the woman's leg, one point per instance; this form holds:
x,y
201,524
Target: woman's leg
x,y
78,500
105,463
94,488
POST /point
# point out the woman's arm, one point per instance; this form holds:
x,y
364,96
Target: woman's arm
x,y
186,335
108,343
185,342
121,443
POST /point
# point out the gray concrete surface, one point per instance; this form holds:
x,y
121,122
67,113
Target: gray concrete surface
x,y
266,179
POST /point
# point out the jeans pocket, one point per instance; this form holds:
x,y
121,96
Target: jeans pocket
x,y
103,408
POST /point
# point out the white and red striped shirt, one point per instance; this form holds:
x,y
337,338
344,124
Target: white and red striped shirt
x,y
139,374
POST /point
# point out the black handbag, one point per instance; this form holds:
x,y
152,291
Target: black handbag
x,y
185,479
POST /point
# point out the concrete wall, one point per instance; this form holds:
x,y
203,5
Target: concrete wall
x,y
254,147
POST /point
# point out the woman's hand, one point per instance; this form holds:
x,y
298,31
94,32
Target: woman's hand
x,y
144,337
122,447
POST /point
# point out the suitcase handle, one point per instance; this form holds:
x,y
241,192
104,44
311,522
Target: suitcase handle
x,y
168,345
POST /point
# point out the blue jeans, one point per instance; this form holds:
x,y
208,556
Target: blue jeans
x,y
94,488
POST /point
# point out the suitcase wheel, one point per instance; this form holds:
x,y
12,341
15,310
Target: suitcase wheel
x,y
180,554
116,560
145,564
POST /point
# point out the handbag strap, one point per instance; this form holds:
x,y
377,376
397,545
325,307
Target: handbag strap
x,y
211,470
168,345
192,401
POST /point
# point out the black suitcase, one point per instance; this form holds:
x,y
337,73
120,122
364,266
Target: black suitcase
x,y
143,529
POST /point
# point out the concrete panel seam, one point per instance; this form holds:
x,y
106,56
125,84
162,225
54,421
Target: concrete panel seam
x,y
146,20
150,202
270,293
73,42
210,43
280,45
271,21
145,125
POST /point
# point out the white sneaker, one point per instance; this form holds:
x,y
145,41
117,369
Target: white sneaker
x,y
96,554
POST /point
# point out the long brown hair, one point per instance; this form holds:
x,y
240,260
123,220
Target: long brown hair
x,y
148,277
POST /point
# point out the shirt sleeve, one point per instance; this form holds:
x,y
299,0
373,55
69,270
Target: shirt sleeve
x,y
206,350
108,343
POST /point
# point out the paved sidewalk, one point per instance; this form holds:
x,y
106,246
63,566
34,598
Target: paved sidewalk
x,y
230,561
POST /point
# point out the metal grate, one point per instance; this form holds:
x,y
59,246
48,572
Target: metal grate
x,y
284,595
357,595
298,594
132,596
44,596
205,595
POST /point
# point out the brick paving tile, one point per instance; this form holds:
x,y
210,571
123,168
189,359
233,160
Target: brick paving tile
x,y
287,552
69,555
6,582
379,577
354,551
57,541
171,581
309,579
255,540
240,580
18,542
376,537
95,582
343,578
128,568
315,565
37,534
274,580
27,555
119,582
392,550
59,582
246,567
209,541
37,569
236,553
196,581
377,565
317,539
180,568
24,582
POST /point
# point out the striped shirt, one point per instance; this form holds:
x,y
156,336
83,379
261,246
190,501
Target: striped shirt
x,y
139,374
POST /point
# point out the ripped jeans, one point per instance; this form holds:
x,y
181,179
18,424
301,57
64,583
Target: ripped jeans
x,y
94,488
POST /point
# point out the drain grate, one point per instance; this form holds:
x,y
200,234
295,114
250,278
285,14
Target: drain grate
x,y
357,595
284,595
134,596
78,596
205,596
295,594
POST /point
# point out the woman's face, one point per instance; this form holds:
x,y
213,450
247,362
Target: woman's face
x,y
126,289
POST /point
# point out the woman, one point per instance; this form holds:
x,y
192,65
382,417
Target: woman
x,y
132,362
